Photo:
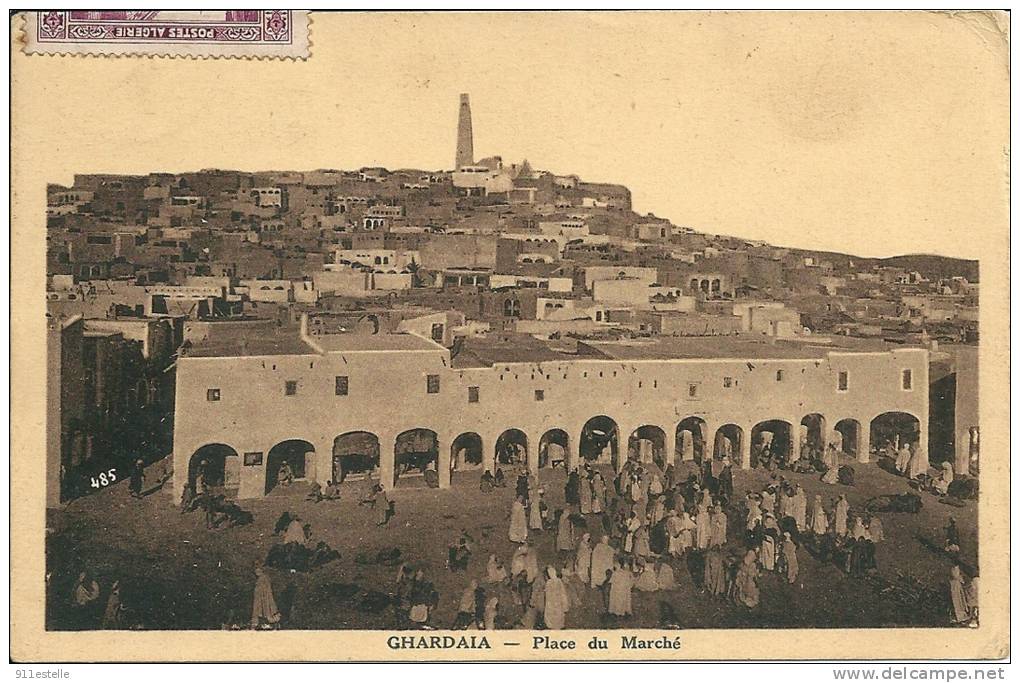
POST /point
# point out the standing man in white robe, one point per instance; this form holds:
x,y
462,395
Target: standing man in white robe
x,y
601,562
518,521
840,517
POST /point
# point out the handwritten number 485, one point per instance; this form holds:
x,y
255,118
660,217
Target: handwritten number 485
x,y
104,479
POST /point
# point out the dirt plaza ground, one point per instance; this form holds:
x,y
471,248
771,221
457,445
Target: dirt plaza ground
x,y
176,574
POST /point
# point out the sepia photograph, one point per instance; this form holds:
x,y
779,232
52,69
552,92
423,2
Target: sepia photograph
x,y
468,333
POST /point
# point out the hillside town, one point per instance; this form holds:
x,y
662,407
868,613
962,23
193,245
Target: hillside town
x,y
261,333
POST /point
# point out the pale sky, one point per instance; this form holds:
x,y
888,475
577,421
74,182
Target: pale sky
x,y
874,134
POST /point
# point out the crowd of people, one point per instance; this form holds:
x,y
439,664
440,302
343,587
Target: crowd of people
x,y
905,459
641,529
638,531
635,531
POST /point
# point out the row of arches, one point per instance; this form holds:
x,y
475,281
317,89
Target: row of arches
x,y
357,454
706,285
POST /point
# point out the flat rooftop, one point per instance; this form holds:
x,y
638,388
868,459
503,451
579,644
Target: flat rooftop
x,y
664,348
343,343
253,343
486,352
480,352
476,352
287,342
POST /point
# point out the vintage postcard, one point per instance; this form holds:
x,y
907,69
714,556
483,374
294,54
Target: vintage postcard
x,y
513,336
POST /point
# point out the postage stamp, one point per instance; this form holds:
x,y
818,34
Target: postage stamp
x,y
207,33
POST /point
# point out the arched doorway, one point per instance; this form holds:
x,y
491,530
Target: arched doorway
x,y
728,444
647,444
600,443
895,429
511,308
690,439
367,324
552,448
466,452
355,456
212,459
414,452
812,436
294,452
850,431
512,448
770,441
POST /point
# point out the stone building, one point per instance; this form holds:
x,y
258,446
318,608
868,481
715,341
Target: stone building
x,y
334,406
954,427
109,397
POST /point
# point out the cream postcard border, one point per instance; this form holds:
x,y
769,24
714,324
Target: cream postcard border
x,y
38,157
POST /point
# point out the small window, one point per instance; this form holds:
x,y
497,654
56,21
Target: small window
x,y
212,394
290,387
432,384
692,390
843,381
907,380
539,394
253,458
779,375
437,332
727,382
472,394
342,385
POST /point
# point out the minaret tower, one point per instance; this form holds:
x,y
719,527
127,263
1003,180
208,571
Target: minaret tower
x,y
465,139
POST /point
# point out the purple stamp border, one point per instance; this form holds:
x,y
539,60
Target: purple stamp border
x,y
245,27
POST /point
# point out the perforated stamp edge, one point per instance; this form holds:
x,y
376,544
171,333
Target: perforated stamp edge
x,y
244,34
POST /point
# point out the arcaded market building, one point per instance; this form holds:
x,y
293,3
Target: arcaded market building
x,y
341,405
